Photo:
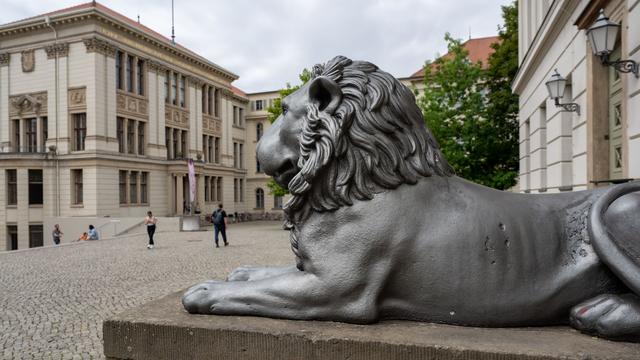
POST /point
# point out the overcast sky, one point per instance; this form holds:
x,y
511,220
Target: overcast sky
x,y
268,42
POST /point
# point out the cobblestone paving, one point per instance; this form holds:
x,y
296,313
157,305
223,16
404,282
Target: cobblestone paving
x,y
53,299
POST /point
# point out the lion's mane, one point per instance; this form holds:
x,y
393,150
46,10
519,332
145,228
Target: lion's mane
x,y
375,140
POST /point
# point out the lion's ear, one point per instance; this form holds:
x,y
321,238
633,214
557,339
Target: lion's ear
x,y
326,93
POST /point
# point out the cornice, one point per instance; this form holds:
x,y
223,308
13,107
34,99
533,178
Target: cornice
x,y
29,25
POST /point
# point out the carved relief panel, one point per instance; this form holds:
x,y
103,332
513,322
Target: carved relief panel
x,y
28,104
211,125
175,116
77,98
132,106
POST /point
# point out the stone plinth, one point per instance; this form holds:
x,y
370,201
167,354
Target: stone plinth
x,y
163,330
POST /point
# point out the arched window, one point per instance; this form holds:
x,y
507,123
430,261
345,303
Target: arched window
x,y
258,131
259,198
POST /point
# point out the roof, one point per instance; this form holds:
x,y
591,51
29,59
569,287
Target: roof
x,y
479,49
128,21
237,91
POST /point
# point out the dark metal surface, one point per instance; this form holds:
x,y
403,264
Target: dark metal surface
x,y
382,229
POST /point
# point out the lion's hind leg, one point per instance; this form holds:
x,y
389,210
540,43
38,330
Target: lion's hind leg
x,y
615,317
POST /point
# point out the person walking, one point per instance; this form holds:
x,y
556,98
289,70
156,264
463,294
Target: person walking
x,y
220,223
57,234
150,221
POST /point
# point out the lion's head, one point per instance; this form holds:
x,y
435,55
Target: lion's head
x,y
350,132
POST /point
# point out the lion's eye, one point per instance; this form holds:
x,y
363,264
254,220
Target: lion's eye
x,y
284,110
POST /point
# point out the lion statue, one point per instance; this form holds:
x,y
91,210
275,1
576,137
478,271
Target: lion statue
x,y
381,228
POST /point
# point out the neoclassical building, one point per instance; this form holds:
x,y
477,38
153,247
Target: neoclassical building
x,y
98,116
597,142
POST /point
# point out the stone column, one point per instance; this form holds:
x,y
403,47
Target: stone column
x,y
179,194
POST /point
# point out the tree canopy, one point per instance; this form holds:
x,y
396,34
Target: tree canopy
x,y
472,111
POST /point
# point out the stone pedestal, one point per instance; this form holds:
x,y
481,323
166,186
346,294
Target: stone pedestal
x,y
163,330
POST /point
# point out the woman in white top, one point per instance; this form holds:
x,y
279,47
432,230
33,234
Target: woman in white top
x,y
150,221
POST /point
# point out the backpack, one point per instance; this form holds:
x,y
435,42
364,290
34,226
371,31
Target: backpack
x,y
217,217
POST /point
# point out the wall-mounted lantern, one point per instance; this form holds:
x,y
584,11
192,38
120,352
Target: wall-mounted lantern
x,y
556,86
603,34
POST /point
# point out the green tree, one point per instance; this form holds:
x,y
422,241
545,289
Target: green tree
x,y
472,112
274,111
502,103
453,106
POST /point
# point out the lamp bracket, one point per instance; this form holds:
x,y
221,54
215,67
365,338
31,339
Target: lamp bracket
x,y
571,107
623,66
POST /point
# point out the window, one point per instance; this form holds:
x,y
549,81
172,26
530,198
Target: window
x,y
76,178
31,126
258,105
120,134
129,73
185,136
206,188
166,86
235,155
140,77
235,115
167,141
16,135
211,104
131,136
174,89
235,190
219,189
12,237
240,116
241,181
35,236
277,202
182,96
35,187
241,156
12,187
79,131
258,131
144,177
141,142
259,198
216,150
119,70
258,168
123,186
133,187
216,102
204,99
45,131
176,152
211,140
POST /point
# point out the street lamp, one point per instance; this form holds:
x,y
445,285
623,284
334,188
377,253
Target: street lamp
x,y
556,86
603,35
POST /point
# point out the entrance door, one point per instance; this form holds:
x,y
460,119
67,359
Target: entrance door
x,y
616,164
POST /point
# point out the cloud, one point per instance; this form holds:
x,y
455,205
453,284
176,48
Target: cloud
x,y
268,43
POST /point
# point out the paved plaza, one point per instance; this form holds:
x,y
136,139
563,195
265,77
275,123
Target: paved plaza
x,y
53,299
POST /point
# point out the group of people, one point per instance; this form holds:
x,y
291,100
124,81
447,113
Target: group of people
x,y
218,218
91,234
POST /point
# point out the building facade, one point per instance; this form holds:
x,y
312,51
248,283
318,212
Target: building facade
x,y
600,144
98,116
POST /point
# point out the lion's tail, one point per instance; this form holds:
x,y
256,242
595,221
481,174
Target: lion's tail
x,y
613,251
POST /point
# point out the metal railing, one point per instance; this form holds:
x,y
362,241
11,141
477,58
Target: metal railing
x,y
23,149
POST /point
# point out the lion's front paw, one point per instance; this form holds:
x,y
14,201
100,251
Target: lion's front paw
x,y
201,298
